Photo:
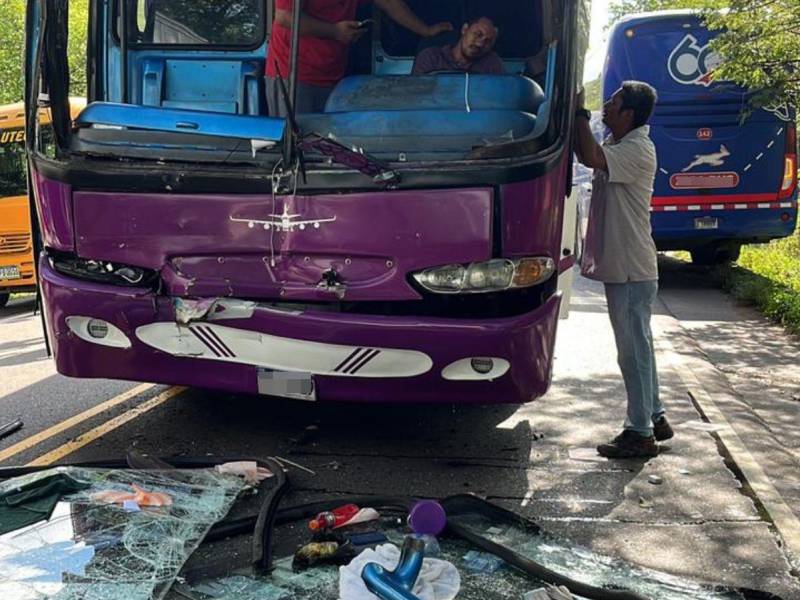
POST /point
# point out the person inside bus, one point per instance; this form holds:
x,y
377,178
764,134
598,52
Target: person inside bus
x,y
620,253
327,28
472,53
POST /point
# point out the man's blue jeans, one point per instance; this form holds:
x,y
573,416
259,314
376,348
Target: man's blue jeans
x,y
630,306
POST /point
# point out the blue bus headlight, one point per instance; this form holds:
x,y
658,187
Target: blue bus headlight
x,y
490,276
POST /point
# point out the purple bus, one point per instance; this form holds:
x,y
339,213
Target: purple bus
x,y
410,243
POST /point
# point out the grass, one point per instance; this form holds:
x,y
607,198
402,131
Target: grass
x,y
767,276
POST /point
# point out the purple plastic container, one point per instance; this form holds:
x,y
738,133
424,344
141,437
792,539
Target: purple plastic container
x,y
427,517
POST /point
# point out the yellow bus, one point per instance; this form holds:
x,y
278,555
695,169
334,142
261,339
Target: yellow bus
x,y
16,243
17,273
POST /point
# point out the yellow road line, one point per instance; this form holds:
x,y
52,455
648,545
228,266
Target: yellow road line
x,y
40,437
110,425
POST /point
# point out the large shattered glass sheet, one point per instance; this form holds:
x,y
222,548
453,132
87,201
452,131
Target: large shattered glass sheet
x,y
92,550
586,566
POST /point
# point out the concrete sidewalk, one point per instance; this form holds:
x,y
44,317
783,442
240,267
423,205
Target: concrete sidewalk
x,y
698,523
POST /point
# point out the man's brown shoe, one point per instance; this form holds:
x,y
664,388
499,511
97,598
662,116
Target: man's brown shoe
x,y
661,429
629,444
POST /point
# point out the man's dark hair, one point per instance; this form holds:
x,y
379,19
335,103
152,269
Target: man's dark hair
x,y
641,98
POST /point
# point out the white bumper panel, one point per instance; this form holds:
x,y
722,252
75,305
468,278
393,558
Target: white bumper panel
x,y
226,344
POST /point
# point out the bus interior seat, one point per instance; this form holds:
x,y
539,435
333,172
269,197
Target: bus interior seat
x,y
229,86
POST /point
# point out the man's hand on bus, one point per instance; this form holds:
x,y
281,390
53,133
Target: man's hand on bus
x,y
580,101
588,151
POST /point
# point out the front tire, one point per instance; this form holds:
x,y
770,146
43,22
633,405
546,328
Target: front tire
x,y
4,299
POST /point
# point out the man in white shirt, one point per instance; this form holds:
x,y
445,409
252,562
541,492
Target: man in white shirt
x,y
620,252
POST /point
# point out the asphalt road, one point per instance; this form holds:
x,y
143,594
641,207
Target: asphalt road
x,y
726,510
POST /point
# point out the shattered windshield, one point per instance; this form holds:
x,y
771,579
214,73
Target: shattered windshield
x,y
112,538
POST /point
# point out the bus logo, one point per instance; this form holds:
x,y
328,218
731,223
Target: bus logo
x,y
283,222
705,133
714,159
693,64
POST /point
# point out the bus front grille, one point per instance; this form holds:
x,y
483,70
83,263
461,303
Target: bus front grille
x,y
13,243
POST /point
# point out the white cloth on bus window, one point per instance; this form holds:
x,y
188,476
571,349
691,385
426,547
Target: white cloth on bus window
x,y
438,579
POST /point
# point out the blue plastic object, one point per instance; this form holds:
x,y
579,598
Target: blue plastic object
x,y
397,584
182,121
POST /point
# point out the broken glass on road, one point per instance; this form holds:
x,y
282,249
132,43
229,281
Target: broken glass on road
x,y
93,547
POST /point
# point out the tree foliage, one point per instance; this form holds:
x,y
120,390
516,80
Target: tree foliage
x,y
12,33
594,94
12,39
621,8
760,46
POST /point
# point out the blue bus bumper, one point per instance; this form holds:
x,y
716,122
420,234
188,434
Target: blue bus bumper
x,y
678,230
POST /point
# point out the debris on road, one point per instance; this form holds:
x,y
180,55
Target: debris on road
x,y
645,503
108,548
655,479
10,428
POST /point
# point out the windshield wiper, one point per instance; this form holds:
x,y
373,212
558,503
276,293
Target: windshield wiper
x,y
354,158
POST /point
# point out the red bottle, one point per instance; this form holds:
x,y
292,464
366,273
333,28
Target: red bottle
x,y
332,519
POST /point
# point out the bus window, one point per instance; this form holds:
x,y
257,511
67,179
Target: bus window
x,y
12,163
233,23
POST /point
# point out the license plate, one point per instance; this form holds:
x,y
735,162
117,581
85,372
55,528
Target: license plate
x,y
287,384
706,223
9,273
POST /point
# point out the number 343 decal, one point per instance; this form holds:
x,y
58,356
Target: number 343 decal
x,y
693,64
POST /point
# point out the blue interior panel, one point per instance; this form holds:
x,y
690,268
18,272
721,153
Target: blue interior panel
x,y
436,92
400,131
181,121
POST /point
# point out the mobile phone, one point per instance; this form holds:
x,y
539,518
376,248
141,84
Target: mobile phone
x,y
365,23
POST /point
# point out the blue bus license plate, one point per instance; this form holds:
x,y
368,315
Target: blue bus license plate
x,y
706,223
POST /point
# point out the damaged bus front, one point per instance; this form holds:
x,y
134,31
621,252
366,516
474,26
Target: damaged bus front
x,y
410,242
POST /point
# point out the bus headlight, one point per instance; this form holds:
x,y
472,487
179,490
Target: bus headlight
x,y
101,271
490,276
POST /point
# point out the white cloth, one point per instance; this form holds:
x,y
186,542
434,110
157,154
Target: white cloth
x,y
438,579
619,243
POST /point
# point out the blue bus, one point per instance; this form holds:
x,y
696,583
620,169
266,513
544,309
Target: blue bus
x,y
725,177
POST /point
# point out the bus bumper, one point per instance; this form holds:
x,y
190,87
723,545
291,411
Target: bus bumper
x,y
350,357
679,231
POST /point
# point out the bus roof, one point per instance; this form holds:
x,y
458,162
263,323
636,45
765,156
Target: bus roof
x,y
671,50
12,116
656,15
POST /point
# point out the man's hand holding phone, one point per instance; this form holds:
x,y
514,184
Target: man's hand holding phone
x,y
348,32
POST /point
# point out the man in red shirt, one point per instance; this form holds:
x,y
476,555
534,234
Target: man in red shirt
x,y
327,28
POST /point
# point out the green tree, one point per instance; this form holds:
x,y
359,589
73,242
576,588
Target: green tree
x,y
760,45
12,32
621,8
594,94
12,40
